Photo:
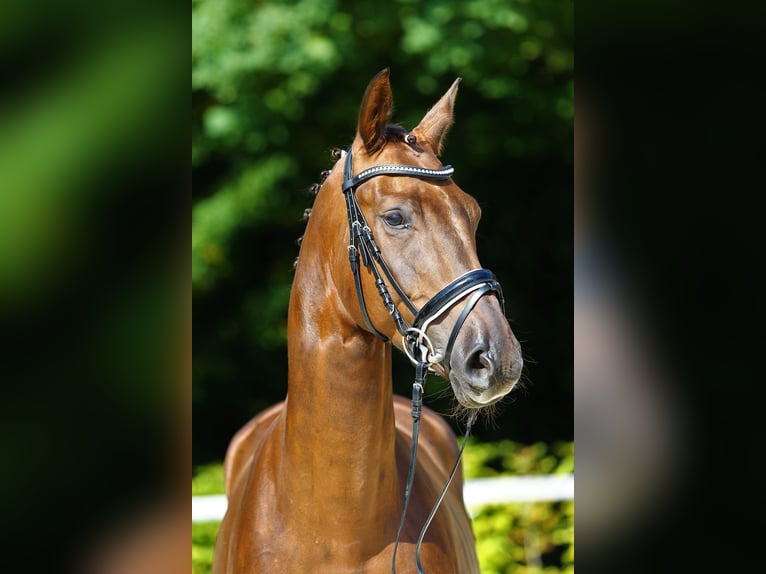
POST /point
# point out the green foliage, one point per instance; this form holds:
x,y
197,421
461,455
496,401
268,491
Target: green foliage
x,y
203,545
257,67
509,457
526,538
208,479
244,201
529,538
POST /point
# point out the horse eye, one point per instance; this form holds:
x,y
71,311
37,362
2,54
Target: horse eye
x,y
394,219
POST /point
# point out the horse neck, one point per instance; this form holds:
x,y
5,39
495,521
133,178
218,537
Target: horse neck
x,y
339,452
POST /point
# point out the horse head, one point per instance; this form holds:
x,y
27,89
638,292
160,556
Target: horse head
x,y
424,228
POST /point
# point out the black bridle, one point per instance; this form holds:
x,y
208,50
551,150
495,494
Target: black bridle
x,y
415,341
362,245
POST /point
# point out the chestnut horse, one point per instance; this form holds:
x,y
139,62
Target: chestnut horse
x,y
316,483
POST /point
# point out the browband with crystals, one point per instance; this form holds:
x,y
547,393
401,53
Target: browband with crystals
x,y
351,181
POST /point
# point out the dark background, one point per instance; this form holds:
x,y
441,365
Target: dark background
x,y
677,189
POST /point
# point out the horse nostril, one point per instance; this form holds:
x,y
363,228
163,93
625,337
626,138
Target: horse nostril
x,y
480,363
474,362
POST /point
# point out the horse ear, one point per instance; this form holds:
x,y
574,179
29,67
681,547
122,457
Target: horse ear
x,y
438,119
375,112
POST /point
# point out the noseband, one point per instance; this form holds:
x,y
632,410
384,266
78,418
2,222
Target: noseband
x,y
415,341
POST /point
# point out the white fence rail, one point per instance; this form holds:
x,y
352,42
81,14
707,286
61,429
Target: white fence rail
x,y
476,492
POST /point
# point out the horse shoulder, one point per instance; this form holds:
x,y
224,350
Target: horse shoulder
x,y
236,551
246,443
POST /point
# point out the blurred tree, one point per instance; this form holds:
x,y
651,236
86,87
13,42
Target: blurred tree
x,y
277,84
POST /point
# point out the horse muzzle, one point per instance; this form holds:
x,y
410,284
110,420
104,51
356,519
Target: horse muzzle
x,y
486,361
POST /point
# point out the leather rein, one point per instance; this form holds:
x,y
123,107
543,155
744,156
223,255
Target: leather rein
x,y
415,341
